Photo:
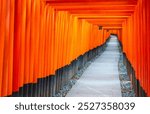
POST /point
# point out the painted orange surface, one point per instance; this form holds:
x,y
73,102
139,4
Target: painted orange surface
x,y
135,41
38,37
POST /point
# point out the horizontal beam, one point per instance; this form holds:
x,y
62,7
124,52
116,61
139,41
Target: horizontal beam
x,y
99,17
96,7
106,28
106,17
107,20
118,12
109,25
118,21
91,2
102,15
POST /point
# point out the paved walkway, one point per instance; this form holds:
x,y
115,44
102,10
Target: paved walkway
x,y
101,78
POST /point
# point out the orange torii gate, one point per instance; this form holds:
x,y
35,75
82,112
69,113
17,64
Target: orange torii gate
x,y
40,36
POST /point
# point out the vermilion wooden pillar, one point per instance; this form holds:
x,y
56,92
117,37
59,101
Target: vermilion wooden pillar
x,y
148,42
2,35
17,44
27,42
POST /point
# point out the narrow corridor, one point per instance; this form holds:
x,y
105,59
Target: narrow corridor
x,y
45,43
101,78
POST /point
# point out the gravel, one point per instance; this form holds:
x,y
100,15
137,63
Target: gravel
x,y
125,83
66,88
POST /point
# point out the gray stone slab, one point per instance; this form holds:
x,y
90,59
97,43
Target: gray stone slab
x,y
101,78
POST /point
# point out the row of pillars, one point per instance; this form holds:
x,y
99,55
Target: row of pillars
x,y
51,85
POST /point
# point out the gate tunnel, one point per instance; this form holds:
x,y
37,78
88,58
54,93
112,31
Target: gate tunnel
x,y
43,43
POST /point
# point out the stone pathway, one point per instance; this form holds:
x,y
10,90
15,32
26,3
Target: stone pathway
x,y
101,78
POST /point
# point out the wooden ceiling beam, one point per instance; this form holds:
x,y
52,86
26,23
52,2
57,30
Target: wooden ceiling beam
x,y
99,15
108,24
101,12
106,20
96,7
109,28
91,2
